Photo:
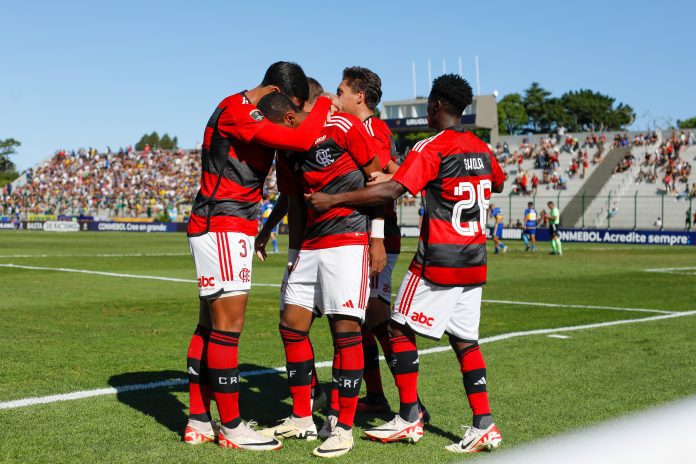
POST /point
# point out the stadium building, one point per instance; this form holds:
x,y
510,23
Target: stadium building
x,y
409,117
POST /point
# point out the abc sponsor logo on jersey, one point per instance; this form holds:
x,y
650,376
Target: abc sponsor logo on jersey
x,y
422,319
206,282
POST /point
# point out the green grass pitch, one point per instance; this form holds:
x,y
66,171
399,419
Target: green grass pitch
x,y
64,332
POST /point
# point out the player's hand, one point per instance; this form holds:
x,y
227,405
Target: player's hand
x,y
335,102
378,177
378,256
321,202
260,244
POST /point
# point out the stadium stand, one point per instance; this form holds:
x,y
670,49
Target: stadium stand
x,y
540,168
655,182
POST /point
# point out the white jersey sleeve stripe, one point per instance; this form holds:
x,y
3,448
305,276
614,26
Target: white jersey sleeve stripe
x,y
336,125
423,143
340,119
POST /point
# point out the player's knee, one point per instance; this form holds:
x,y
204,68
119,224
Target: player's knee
x,y
343,324
396,330
462,346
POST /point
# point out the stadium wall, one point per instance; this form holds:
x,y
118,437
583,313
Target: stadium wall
x,y
609,236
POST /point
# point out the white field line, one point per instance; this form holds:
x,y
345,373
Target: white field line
x,y
98,255
438,349
558,305
562,337
673,270
175,279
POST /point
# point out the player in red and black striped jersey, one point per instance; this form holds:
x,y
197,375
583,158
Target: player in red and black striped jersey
x,y
360,92
330,273
442,290
238,148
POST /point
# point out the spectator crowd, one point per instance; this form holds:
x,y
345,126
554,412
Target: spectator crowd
x,y
546,155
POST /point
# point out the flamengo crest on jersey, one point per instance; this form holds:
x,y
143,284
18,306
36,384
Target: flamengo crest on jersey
x,y
332,165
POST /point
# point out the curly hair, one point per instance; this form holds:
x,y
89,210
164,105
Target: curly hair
x,y
453,91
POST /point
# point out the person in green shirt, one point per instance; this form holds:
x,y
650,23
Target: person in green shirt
x,y
554,221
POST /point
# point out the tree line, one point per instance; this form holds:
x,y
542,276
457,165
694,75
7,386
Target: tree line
x,y
577,110
155,141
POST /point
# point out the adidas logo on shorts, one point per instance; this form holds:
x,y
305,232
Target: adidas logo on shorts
x,y
348,304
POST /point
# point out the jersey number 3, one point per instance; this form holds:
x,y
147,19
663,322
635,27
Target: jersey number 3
x,y
474,194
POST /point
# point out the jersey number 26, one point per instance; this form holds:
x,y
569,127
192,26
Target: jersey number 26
x,y
474,194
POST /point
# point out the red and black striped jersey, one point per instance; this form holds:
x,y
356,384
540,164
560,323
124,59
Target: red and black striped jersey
x,y
333,165
235,163
233,170
457,172
383,142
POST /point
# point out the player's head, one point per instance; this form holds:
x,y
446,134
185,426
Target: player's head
x,y
359,88
315,91
550,204
491,206
530,205
288,78
448,98
280,109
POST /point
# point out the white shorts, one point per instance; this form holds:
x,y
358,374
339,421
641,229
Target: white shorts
x,y
223,262
330,280
431,310
381,284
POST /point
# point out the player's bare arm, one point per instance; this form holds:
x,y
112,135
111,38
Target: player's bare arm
x,y
368,196
279,211
378,254
298,138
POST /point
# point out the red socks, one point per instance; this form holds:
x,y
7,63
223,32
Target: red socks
x,y
224,375
349,347
199,380
473,369
404,365
300,362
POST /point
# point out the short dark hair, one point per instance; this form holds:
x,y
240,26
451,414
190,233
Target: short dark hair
x,y
530,204
275,105
315,90
453,91
290,79
363,80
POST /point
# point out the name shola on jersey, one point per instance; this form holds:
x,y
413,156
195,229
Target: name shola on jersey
x,y
331,166
457,173
385,149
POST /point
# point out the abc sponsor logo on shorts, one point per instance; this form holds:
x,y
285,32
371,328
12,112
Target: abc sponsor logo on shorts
x,y
422,319
205,282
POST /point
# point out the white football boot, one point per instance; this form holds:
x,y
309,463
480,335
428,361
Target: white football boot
x,y
293,427
338,444
245,437
397,429
477,440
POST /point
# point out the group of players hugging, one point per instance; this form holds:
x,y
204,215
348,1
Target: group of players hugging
x,y
339,181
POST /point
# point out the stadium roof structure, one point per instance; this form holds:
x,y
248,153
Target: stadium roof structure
x,y
410,115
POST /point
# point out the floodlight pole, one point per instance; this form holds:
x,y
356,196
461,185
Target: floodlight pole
x,y
413,67
478,78
430,76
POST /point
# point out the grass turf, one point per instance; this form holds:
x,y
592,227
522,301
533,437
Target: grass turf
x,y
64,332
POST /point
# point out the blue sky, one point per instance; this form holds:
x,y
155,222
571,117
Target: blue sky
x,y
103,73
